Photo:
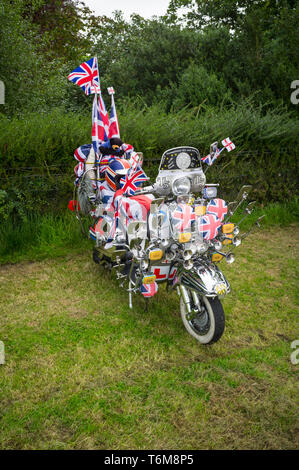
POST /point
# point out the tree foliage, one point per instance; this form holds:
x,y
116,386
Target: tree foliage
x,y
212,51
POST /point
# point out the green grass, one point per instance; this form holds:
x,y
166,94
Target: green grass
x,y
39,237
83,371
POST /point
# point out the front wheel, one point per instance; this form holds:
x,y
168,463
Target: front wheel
x,y
207,323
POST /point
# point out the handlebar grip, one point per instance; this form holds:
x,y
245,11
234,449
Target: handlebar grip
x,y
146,190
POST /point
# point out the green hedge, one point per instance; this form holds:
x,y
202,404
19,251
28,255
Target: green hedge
x,y
36,152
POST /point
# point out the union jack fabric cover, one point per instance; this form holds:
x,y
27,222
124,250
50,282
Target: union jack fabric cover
x,y
82,152
133,180
113,121
100,122
126,210
217,207
149,290
106,195
79,170
128,148
183,217
86,76
104,165
208,226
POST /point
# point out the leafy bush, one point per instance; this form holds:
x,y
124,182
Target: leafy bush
x,y
36,152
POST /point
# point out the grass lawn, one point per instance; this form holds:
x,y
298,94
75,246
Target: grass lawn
x,y
83,371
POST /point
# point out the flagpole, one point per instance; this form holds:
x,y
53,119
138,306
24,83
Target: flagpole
x,y
97,129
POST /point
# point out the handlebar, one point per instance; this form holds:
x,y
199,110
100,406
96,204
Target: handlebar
x,y
145,190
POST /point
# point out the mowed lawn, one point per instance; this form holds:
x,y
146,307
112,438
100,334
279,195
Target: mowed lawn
x,y
83,371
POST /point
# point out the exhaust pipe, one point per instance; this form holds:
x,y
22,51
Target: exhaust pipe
x,y
185,297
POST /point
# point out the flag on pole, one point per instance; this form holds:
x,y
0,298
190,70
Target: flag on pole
x,y
228,144
87,76
209,159
100,122
113,121
133,180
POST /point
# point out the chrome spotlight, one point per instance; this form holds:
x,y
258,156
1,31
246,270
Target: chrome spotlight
x,y
170,255
188,264
164,242
230,258
218,245
144,264
187,254
201,248
237,241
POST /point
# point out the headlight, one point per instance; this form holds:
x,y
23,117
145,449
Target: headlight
x,y
181,186
201,248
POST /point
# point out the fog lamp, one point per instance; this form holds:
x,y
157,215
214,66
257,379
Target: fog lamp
x,y
200,210
149,279
155,255
184,237
216,257
228,228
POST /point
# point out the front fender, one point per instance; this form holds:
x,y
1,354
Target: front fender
x,y
206,280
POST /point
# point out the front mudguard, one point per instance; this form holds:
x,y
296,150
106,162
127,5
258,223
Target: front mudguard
x,y
205,280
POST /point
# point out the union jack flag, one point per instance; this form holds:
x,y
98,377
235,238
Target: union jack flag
x,y
100,123
113,121
149,290
217,207
183,217
86,76
134,159
209,159
132,181
208,226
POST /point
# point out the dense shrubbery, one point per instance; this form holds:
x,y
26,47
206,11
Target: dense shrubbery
x,y
266,143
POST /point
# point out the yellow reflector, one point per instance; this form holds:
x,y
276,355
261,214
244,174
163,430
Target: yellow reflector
x,y
216,257
149,279
200,210
220,289
184,237
228,228
230,237
155,255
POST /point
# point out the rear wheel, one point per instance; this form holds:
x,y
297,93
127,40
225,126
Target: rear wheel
x,y
207,323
